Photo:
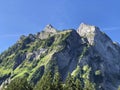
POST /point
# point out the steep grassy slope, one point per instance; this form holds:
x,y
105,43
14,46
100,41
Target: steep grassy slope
x,y
30,55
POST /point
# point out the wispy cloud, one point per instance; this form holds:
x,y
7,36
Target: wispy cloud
x,y
9,35
111,28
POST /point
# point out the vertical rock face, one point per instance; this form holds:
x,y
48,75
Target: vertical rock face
x,y
104,55
67,58
92,33
87,31
96,38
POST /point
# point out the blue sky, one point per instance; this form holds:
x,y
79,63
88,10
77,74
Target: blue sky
x,y
19,17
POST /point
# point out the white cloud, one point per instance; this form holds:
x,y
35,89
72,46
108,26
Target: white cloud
x,y
111,28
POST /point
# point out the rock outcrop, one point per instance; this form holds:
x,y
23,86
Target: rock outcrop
x,y
48,31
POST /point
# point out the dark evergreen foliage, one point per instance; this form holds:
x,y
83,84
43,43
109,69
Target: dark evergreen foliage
x,y
57,83
45,83
69,83
19,84
48,82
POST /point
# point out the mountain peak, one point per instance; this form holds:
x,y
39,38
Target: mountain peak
x,y
49,28
88,31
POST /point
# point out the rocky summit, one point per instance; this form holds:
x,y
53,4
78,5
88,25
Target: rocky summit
x,y
86,52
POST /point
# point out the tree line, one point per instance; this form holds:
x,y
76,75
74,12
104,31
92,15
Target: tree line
x,y
50,82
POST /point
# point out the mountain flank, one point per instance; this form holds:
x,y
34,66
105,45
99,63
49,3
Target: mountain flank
x,y
85,53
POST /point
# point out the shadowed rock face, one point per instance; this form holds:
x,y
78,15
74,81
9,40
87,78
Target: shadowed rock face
x,y
68,50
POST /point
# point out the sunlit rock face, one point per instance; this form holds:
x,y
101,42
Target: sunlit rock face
x,y
50,29
104,55
87,31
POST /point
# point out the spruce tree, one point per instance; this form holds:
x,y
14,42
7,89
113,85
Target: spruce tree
x,y
88,85
78,84
19,84
69,83
45,83
57,84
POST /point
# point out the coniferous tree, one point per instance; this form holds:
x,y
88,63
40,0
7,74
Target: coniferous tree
x,y
69,83
57,84
45,83
86,77
88,85
19,84
78,84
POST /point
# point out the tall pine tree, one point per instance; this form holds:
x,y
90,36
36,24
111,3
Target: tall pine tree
x,y
69,83
78,84
45,83
88,85
19,84
57,84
